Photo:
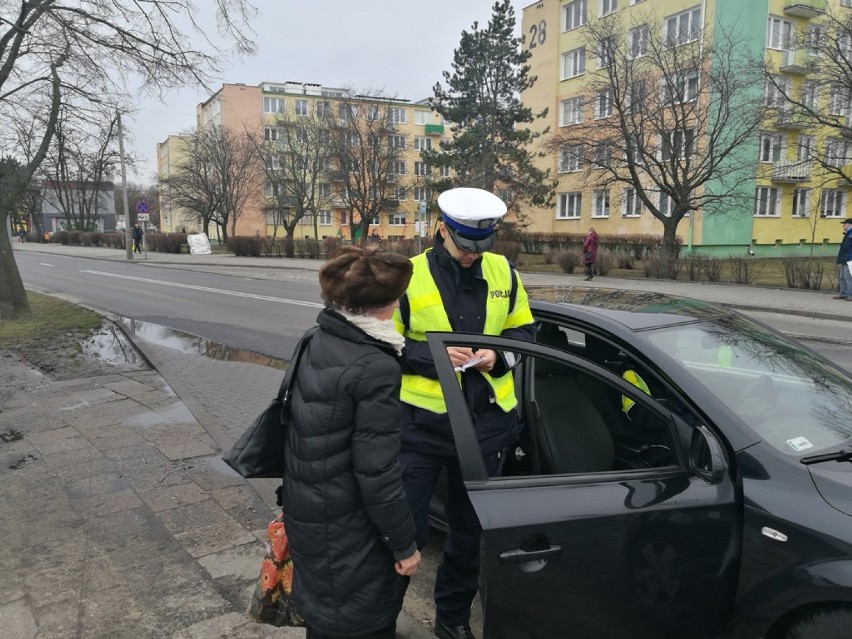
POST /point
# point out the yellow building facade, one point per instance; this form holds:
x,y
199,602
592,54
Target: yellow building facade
x,y
793,203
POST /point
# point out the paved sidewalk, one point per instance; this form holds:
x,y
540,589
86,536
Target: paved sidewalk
x,y
118,516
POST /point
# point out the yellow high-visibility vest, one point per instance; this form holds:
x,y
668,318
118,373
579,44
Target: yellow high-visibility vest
x,y
633,377
427,314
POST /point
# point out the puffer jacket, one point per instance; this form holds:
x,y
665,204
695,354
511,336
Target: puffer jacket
x,y
345,511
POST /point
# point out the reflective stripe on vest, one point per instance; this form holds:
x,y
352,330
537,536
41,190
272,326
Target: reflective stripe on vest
x,y
633,377
427,314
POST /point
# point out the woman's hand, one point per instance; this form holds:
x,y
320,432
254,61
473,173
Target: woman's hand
x,y
408,566
459,355
489,359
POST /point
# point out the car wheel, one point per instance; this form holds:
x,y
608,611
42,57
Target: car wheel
x,y
831,623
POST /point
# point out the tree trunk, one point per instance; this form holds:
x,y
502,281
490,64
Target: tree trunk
x,y
13,297
670,251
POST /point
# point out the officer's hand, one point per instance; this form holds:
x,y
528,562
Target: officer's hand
x,y
489,359
459,355
408,566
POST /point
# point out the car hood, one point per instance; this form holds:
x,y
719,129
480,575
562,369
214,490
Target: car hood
x,y
833,480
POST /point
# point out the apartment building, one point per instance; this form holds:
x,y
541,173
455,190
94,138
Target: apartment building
x,y
783,202
170,153
266,108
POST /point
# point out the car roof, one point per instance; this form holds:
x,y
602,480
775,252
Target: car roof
x,y
635,310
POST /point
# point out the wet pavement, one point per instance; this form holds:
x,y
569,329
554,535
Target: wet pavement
x,y
117,515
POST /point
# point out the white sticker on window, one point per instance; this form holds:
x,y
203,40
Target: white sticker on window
x,y
799,444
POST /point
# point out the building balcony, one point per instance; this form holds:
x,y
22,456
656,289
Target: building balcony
x,y
434,129
805,8
791,172
791,121
390,203
800,61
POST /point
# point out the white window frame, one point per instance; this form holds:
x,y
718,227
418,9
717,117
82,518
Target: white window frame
x,y
637,41
682,27
444,171
422,193
832,203
684,87
568,205
301,108
397,218
603,103
805,147
422,143
571,111
838,100
274,105
570,158
270,134
779,33
770,147
677,144
631,204
773,96
766,201
324,218
809,94
422,169
396,115
600,203
664,203
396,141
838,152
632,104
801,202
573,15
397,167
422,117
608,7
606,52
573,63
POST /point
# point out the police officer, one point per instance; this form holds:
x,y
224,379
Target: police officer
x,y
458,286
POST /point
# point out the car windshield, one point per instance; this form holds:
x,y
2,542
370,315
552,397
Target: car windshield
x,y
792,398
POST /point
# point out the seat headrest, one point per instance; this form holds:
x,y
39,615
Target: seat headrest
x,y
550,335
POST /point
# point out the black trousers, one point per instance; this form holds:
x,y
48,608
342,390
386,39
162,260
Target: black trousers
x,y
384,633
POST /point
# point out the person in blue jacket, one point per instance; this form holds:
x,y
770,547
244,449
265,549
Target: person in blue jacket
x,y
844,255
458,285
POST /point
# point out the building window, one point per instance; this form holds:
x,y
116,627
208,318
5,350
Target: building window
x,y
838,100
570,158
323,109
396,219
571,111
608,6
664,203
568,205
832,203
422,117
422,169
273,105
603,103
805,148
682,27
422,193
602,154
801,202
678,144
682,87
573,63
771,147
637,41
774,91
766,201
422,144
809,94
301,107
631,205
397,115
846,3
837,152
600,203
396,141
346,112
779,33
325,190
574,14
270,134
636,96
606,52
396,167
324,218
444,171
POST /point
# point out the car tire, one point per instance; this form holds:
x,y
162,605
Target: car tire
x,y
829,623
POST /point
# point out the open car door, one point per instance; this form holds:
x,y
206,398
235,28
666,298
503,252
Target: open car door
x,y
599,526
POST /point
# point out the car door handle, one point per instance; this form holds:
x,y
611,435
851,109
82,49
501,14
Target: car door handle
x,y
519,555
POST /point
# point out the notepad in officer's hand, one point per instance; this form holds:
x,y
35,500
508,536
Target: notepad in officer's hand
x,y
469,364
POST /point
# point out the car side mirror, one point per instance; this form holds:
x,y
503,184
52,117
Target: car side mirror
x,y
706,456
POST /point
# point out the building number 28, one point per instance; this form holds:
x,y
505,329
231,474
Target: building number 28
x,y
538,34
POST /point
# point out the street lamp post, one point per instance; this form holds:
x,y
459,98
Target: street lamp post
x,y
127,236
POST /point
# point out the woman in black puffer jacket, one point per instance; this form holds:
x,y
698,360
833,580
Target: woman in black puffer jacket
x,y
347,518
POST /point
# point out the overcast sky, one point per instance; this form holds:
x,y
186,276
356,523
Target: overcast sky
x,y
395,46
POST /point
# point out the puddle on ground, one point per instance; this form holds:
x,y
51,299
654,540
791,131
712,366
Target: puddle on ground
x,y
175,414
110,346
195,345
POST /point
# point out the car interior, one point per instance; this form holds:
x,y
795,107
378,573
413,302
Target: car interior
x,y
576,423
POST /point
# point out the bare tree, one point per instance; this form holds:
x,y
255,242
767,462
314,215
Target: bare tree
x,y
366,150
296,160
91,52
219,173
822,100
669,117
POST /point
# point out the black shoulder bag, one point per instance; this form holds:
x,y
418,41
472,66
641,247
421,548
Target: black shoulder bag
x,y
259,452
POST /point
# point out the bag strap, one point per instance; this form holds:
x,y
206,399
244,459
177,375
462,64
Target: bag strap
x,y
284,390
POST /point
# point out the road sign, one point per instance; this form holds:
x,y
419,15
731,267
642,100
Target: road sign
x,y
142,207
422,208
143,217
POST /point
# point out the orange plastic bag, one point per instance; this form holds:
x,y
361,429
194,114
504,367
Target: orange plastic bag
x,y
272,601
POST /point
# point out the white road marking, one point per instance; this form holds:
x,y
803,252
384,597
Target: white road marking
x,y
207,289
45,264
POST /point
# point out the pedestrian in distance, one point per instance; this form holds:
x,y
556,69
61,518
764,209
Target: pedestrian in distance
x,y
458,286
590,253
22,235
844,257
137,234
350,528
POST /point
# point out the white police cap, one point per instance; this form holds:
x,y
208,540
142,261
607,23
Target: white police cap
x,y
471,216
